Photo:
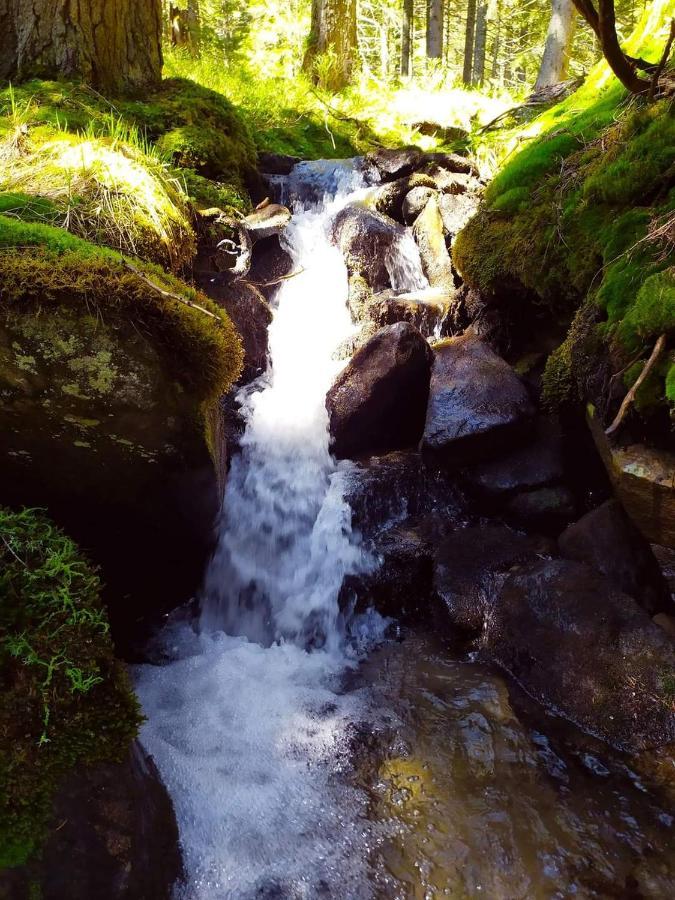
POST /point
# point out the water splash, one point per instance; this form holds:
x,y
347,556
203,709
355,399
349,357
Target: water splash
x,y
250,730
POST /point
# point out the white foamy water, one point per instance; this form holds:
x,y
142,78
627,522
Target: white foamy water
x,y
248,723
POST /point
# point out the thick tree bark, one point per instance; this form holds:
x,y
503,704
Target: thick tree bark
x,y
435,29
114,46
555,60
603,23
478,74
468,41
333,31
406,36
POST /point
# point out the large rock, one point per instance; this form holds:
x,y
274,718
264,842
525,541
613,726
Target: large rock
x,y
270,265
414,203
393,164
607,540
477,404
547,509
643,480
389,198
467,563
428,233
251,316
578,644
456,210
426,309
114,837
267,221
366,238
377,402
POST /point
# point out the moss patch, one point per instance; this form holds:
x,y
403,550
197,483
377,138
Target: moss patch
x,y
66,700
575,214
54,267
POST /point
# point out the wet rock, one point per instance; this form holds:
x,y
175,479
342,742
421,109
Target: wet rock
x,y
270,220
643,480
251,316
269,265
467,563
456,211
392,164
477,404
546,509
396,487
276,163
428,233
224,245
414,203
365,238
537,464
388,198
451,162
114,837
578,644
377,403
425,309
607,540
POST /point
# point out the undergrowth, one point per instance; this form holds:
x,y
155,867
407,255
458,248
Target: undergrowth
x,y
66,700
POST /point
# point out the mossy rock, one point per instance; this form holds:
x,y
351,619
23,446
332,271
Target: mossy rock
x,y
109,418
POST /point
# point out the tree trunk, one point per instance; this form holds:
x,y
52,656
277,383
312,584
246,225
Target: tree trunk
x,y
406,36
556,58
435,29
332,32
468,41
478,74
603,23
115,47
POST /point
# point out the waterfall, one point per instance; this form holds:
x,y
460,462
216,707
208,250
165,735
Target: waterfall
x,y
247,722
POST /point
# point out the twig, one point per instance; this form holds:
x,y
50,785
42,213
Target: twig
x,y
276,280
664,59
170,294
630,396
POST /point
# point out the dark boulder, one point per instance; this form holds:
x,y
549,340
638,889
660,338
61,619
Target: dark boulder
x,y
477,404
467,563
537,464
451,162
377,402
114,837
392,164
276,163
251,316
270,264
578,644
426,309
607,540
388,198
547,509
366,238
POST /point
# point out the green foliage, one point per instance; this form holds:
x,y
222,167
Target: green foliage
x,y
55,267
66,700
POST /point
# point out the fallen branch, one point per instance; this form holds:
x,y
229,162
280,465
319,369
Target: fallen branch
x,y
630,396
276,280
170,294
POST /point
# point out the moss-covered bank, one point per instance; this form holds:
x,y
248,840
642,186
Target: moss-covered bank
x,y
581,219
66,701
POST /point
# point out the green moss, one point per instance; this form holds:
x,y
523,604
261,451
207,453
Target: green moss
x,y
201,346
66,700
670,382
206,194
653,311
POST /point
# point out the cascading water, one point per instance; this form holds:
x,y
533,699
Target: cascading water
x,y
245,723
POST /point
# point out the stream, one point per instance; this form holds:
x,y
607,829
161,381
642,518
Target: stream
x,y
313,752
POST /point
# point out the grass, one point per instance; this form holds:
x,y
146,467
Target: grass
x,y
583,211
66,700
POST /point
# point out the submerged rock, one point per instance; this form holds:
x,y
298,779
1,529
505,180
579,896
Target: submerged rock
x,y
365,237
607,540
578,644
377,402
114,837
477,403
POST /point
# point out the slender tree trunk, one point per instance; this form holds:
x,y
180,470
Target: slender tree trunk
x,y
555,61
115,47
478,74
407,15
603,23
468,41
435,29
333,31
194,25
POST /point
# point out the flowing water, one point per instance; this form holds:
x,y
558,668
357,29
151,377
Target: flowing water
x,y
308,756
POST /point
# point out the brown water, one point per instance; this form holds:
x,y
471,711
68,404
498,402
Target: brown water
x,y
482,794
